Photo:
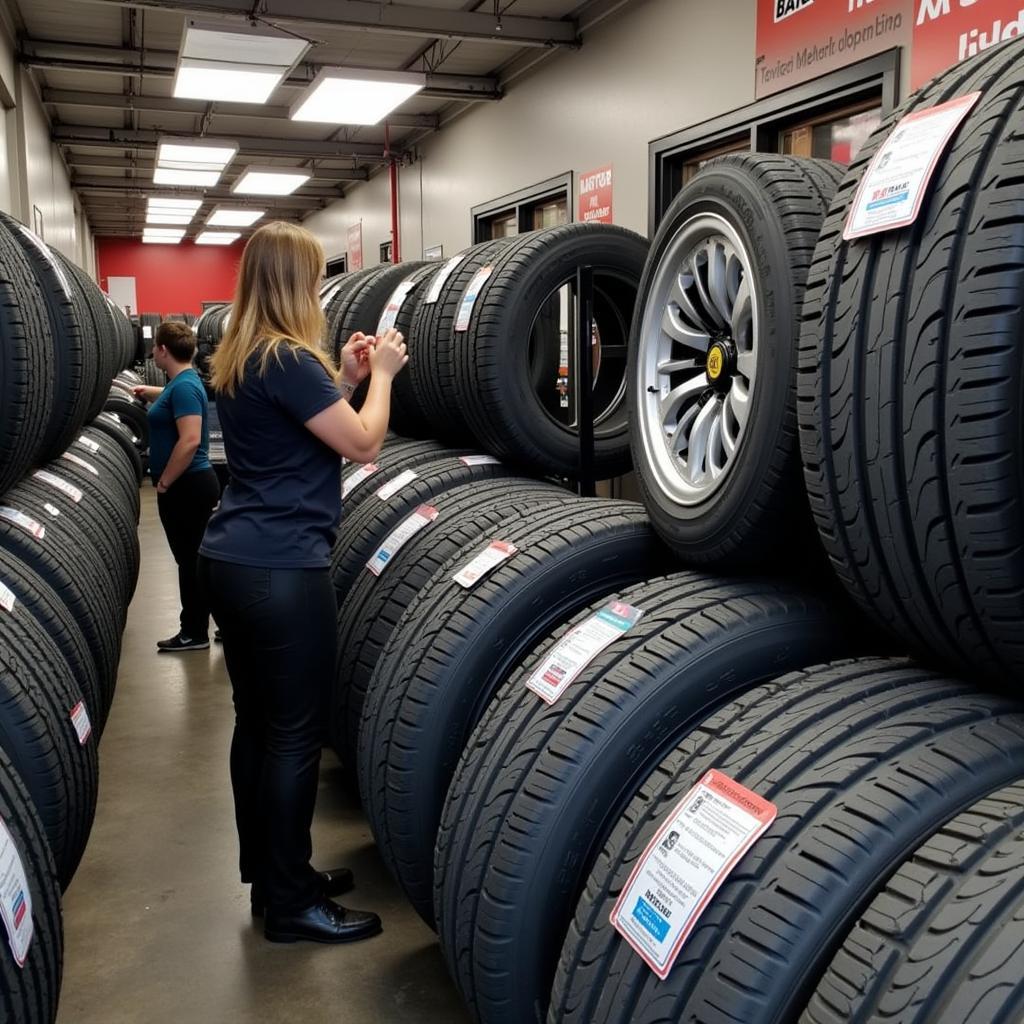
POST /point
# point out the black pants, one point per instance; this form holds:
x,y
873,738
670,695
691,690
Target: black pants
x,y
184,511
280,635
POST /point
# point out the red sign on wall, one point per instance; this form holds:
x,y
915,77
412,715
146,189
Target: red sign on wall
x,y
596,196
949,31
798,40
355,247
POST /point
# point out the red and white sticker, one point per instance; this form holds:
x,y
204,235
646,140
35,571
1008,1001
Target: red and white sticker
x,y
469,297
490,558
893,188
394,306
15,898
7,598
390,489
80,720
691,855
58,484
394,541
358,478
88,442
27,523
579,647
479,460
87,466
434,291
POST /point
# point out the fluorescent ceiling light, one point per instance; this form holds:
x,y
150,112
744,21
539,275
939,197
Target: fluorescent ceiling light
x,y
159,217
228,61
198,179
234,217
164,232
270,181
195,154
217,237
173,205
351,96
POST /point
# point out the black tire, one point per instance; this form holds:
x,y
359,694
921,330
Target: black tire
x,y
431,348
953,914
37,696
113,476
97,444
508,360
153,375
359,482
132,413
912,390
29,993
361,534
454,647
121,436
864,760
774,206
539,787
27,391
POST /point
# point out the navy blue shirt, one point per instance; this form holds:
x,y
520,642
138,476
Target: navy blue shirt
x,y
282,504
183,396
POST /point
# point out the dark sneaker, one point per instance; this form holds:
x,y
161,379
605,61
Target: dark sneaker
x,y
180,642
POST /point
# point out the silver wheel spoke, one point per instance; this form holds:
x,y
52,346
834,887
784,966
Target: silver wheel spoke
x,y
746,363
673,325
677,365
702,289
739,403
673,401
681,297
742,313
716,463
682,432
697,450
728,441
718,283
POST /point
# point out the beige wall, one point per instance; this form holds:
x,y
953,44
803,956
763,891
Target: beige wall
x,y
661,66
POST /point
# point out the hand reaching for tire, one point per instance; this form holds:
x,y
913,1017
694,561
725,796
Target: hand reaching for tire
x,y
389,355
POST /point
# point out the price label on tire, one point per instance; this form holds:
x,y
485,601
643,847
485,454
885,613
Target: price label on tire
x,y
80,720
579,647
487,561
399,536
470,296
434,292
27,523
394,306
15,898
88,442
479,460
358,478
7,598
390,489
87,466
59,485
700,842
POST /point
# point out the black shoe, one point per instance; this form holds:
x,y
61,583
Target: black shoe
x,y
180,642
335,883
323,922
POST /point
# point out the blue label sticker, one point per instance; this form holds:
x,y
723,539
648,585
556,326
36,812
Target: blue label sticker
x,y
650,919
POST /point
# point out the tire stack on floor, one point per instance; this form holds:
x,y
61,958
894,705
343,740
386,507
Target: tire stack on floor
x,y
69,560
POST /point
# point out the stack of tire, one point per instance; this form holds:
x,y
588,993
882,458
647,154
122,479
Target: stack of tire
x,y
69,561
209,329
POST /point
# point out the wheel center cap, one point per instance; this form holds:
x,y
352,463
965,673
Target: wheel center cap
x,y
721,364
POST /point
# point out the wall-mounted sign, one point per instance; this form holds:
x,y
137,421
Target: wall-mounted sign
x,y
355,247
798,40
949,31
434,252
595,194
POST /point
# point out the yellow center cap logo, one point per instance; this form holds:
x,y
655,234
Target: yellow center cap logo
x,y
716,362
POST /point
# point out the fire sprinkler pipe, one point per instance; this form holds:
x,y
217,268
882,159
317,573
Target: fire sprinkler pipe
x,y
396,253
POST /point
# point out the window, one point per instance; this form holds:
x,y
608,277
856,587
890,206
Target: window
x,y
339,265
544,205
835,136
385,252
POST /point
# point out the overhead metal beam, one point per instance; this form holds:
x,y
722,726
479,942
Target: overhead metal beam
x,y
147,138
142,188
59,55
168,104
145,166
390,18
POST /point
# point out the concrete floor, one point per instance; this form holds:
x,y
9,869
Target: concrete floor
x,y
157,924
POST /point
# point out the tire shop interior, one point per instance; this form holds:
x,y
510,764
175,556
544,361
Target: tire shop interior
x,y
680,617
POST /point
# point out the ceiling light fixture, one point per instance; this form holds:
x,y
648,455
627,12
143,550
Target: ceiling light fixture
x,y
217,237
234,217
195,154
163,236
191,179
353,96
160,217
172,205
233,62
270,181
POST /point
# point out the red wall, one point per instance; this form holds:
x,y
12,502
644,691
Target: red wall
x,y
171,278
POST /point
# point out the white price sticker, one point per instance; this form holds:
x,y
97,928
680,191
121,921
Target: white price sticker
x,y
80,720
469,297
87,466
396,539
52,509
691,855
88,442
893,188
15,898
492,556
389,490
394,306
358,478
7,598
27,523
479,460
147,333
579,647
434,292
59,485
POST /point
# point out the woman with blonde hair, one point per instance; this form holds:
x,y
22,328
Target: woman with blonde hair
x,y
264,560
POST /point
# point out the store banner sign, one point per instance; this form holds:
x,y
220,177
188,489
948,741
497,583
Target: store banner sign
x,y
355,247
595,202
798,40
949,31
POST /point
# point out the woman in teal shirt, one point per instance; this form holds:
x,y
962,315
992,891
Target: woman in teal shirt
x,y
179,463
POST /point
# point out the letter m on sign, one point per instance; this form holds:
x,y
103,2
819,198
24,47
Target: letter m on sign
x,y
929,10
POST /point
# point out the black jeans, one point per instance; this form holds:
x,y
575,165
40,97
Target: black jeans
x,y
280,635
184,511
